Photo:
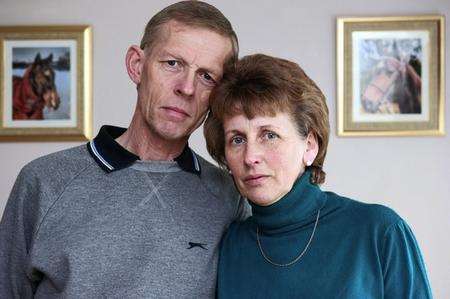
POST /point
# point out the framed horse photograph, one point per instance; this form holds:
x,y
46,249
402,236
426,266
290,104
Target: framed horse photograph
x,y
390,76
45,83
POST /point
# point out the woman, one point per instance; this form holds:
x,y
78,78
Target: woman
x,y
269,126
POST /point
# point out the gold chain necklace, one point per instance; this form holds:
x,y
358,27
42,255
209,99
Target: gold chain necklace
x,y
298,257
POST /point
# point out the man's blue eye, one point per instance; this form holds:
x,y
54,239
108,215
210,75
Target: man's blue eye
x,y
208,77
172,62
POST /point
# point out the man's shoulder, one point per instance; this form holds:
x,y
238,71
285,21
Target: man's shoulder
x,y
221,185
213,172
67,160
58,168
44,179
217,179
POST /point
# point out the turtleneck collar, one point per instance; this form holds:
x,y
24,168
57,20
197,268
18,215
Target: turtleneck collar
x,y
297,208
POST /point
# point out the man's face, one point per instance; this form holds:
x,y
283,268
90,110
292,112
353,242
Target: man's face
x,y
177,77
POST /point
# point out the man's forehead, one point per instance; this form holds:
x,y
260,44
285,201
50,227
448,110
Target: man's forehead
x,y
174,26
188,43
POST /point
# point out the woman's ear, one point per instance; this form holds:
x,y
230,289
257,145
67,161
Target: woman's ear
x,y
312,148
134,62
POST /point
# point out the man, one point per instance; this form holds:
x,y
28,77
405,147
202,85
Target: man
x,y
135,213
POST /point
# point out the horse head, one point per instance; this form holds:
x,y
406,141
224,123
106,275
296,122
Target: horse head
x,y
42,78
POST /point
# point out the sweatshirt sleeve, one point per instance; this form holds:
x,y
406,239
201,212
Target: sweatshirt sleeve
x,y
15,236
404,270
243,210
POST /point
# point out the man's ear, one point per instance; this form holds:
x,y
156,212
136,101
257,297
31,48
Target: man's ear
x,y
312,148
134,62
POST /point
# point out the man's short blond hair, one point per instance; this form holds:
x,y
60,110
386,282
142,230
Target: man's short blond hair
x,y
196,14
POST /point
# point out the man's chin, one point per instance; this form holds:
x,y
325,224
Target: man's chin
x,y
174,134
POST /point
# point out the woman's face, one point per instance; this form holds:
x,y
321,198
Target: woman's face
x,y
266,155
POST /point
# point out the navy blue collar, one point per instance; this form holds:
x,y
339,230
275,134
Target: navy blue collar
x,y
111,156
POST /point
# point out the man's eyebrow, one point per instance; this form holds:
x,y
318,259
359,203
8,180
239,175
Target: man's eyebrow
x,y
211,71
165,53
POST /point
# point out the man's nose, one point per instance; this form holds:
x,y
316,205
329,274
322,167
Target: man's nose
x,y
186,84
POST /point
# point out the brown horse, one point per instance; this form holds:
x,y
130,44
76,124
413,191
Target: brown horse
x,y
35,90
395,88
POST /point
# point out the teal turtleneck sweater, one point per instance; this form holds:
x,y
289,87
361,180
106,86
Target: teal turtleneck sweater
x,y
358,251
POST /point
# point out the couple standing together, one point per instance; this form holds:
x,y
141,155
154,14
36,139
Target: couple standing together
x,y
136,213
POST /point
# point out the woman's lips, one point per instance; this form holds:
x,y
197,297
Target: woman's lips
x,y
255,180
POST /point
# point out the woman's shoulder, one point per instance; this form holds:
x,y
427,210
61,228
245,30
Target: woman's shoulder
x,y
237,236
238,230
238,227
370,213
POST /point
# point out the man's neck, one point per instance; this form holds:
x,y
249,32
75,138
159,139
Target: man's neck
x,y
141,141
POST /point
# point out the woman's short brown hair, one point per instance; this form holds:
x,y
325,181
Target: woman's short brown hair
x,y
261,85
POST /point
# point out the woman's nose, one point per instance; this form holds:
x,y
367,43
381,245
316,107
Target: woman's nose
x,y
253,154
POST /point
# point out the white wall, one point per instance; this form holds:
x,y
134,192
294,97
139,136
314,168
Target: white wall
x,y
410,174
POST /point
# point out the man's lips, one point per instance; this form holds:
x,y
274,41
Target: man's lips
x,y
176,112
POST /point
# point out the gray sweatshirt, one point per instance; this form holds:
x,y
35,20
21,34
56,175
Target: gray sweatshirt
x,y
149,230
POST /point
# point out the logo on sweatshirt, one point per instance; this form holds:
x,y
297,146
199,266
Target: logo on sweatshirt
x,y
193,244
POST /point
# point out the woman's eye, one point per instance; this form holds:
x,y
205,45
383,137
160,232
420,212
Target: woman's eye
x,y
270,135
237,140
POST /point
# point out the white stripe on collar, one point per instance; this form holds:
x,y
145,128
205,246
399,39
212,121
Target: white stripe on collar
x,y
197,166
96,153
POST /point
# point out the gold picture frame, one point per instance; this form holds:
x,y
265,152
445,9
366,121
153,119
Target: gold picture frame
x,y
45,83
390,76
